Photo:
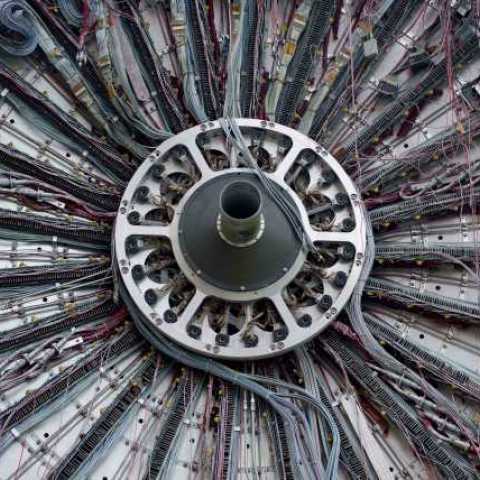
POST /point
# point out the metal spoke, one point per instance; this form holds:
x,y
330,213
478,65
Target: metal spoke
x,y
146,230
286,314
197,156
287,162
333,237
190,310
139,258
163,303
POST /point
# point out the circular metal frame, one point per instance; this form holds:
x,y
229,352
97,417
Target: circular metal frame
x,y
194,163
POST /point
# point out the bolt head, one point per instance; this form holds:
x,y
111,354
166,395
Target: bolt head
x,y
305,320
348,252
340,279
194,331
222,339
151,297
280,334
138,273
251,341
134,218
325,302
170,316
142,194
348,225
157,171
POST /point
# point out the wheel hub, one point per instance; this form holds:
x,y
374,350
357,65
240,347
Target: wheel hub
x,y
228,268
208,251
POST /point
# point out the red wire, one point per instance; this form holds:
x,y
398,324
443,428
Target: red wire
x,y
86,27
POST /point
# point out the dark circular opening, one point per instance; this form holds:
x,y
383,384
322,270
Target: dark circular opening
x,y
240,200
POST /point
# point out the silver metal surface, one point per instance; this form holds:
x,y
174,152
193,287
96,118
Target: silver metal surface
x,y
286,170
226,430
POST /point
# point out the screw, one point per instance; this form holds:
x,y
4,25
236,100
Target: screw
x,y
132,246
251,341
142,194
280,334
137,272
342,199
340,279
157,171
134,218
305,320
222,339
348,225
348,252
151,297
194,331
325,302
170,316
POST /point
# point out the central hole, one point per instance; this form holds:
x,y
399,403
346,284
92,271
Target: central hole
x,y
241,200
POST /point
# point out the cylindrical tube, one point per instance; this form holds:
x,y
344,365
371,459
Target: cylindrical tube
x,y
240,222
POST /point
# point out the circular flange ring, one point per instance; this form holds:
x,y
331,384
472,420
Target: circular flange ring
x,y
153,315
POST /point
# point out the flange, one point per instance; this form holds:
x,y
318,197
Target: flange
x,y
207,244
